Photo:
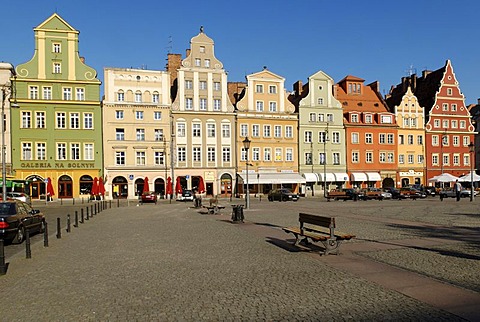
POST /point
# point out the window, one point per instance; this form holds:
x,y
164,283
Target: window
x,y
259,88
157,115
120,158
61,151
445,124
88,120
335,137
138,97
411,158
329,118
88,151
259,106
410,139
26,119
61,120
466,140
67,94
211,130
207,63
216,86
140,158
401,158
33,92
321,158
198,62
390,157
203,85
355,138
226,154
321,117
196,130
312,117
74,120
308,158
256,130
406,122
182,154
381,138
119,134
158,134
202,49
435,140
159,158
41,151
267,154
383,157
386,119
444,107
368,138
449,91
454,124
368,118
308,137
217,104
435,159
436,123
47,93
211,154
369,157
354,118
225,130
320,101
456,140
203,104
463,124
456,159
139,115
27,151
277,131
57,68
197,154
255,154
289,131
466,159
420,139
188,103
278,154
40,120
401,139
273,106
336,158
121,96
188,84
288,154
266,131
243,130
80,94
454,107
140,134
390,138
155,98
75,151
119,115
56,48
272,89
355,158
446,159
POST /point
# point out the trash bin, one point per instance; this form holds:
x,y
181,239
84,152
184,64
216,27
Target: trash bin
x,y
237,213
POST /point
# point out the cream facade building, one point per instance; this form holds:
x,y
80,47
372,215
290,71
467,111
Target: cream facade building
x,y
136,131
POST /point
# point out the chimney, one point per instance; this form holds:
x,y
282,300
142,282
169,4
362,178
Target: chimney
x,y
297,88
173,64
425,73
413,82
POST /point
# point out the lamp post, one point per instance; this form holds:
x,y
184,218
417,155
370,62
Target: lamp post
x,y
311,161
471,148
325,139
246,146
7,90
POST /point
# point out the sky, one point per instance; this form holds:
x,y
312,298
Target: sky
x,y
376,40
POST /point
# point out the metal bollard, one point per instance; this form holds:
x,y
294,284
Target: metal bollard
x,y
59,230
87,213
91,210
260,198
68,223
28,250
3,266
81,215
73,200
118,203
45,235
76,219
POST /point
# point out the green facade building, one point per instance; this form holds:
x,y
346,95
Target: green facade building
x,y
57,131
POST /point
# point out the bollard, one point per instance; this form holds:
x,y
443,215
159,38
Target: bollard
x,y
110,204
28,250
86,208
3,266
260,198
73,200
82,200
45,234
118,203
68,223
81,215
76,219
59,230
91,211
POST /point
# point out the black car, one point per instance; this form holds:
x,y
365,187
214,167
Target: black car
x,y
394,191
16,217
283,194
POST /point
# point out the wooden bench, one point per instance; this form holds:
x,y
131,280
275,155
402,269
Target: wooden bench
x,y
318,229
214,210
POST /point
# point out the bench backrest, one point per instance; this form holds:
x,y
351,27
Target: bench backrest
x,y
328,222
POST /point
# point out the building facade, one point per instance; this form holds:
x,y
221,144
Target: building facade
x,y
57,132
203,121
136,138
7,93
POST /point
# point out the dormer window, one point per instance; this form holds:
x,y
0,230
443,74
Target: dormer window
x,y
354,118
354,88
368,118
202,49
386,119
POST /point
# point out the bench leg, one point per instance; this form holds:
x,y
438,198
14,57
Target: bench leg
x,y
331,246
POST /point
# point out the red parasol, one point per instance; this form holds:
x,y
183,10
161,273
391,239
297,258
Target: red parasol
x,y
101,186
95,187
146,188
168,189
178,186
201,186
50,191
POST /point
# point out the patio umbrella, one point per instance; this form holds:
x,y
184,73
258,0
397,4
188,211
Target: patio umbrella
x,y
95,187
444,177
168,189
101,186
178,186
201,186
467,177
145,185
50,191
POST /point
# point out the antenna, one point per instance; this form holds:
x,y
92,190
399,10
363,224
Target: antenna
x,y
411,70
170,45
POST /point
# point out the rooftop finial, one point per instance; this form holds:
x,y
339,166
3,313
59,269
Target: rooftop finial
x,y
201,29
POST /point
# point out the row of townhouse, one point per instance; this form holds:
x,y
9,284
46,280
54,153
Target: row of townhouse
x,y
184,126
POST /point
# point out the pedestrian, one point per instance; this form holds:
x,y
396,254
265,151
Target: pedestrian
x,y
457,189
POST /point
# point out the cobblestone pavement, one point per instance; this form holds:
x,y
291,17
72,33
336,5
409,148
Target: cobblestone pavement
x,y
166,262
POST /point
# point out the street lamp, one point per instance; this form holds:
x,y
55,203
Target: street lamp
x,y
246,146
325,139
7,90
471,148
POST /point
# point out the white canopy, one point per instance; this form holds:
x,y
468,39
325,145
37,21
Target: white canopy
x,y
468,177
444,177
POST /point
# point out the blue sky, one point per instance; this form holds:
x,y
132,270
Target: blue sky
x,y
375,40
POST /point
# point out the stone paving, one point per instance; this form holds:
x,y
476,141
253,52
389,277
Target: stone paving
x,y
166,262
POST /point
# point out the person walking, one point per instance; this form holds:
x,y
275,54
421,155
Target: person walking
x,y
458,189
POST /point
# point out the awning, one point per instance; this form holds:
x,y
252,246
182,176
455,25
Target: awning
x,y
341,176
272,178
329,177
311,177
373,176
359,176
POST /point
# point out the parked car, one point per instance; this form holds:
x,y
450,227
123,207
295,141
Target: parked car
x,y
409,192
15,217
343,194
283,194
186,195
394,192
429,191
19,196
383,193
450,193
149,196
371,193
